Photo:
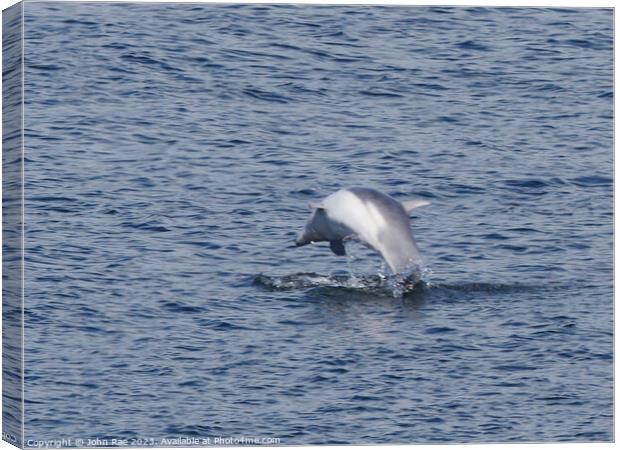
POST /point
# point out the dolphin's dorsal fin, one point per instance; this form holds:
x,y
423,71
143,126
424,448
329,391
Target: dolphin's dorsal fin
x,y
317,206
410,205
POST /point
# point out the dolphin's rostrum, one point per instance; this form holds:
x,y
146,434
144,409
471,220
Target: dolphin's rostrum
x,y
373,217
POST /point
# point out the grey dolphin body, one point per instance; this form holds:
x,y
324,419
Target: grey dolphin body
x,y
375,218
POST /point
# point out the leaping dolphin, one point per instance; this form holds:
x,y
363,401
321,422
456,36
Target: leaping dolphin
x,y
373,217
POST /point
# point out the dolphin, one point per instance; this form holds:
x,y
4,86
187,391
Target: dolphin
x,y
375,218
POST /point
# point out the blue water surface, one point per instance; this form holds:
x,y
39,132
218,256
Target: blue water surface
x,y
171,154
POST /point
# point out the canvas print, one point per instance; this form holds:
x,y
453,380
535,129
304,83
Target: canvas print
x,y
263,225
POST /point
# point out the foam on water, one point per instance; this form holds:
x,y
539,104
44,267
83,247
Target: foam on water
x,y
312,280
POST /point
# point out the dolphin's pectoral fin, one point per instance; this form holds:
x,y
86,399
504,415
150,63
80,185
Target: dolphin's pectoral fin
x,y
337,247
410,205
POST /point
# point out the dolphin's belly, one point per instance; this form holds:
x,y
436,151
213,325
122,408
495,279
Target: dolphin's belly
x,y
355,216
